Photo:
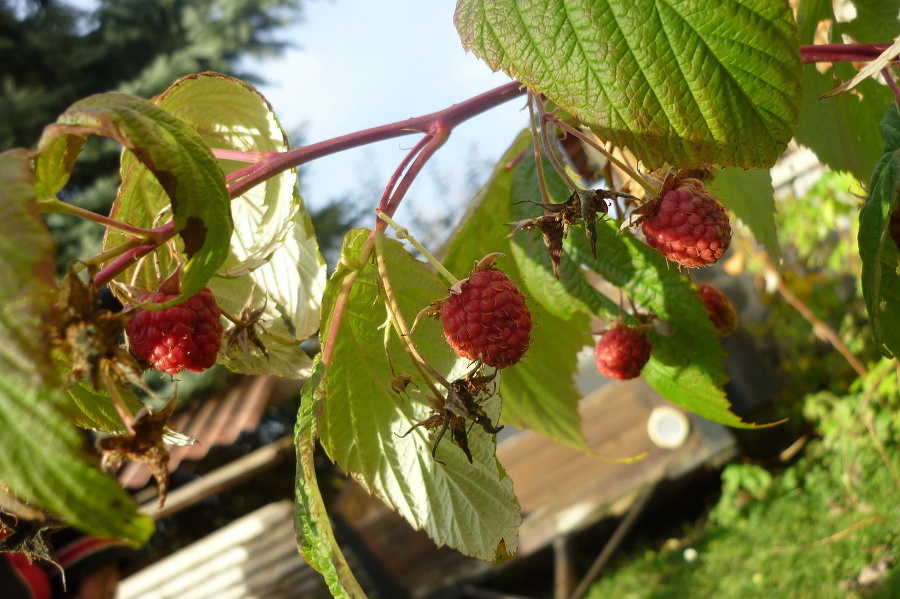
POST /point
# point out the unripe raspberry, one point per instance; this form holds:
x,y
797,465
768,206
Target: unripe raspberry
x,y
184,337
721,310
485,317
622,352
687,223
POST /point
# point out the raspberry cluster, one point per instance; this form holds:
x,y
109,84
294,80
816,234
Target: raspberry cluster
x,y
687,224
187,336
622,352
485,317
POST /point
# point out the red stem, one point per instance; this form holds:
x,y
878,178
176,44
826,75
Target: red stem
x,y
449,117
842,52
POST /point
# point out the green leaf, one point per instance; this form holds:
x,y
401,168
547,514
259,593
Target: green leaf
x,y
315,537
879,235
274,264
749,194
876,21
470,507
684,83
43,457
841,130
25,244
538,393
182,167
45,461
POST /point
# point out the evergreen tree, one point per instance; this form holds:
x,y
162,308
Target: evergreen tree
x,y
55,53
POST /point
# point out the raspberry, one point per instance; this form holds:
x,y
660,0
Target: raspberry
x,y
622,352
687,223
721,310
187,336
485,317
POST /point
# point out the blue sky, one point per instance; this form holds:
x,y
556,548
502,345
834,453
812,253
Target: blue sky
x,y
358,64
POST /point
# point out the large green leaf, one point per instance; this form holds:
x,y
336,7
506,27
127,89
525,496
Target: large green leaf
x,y
470,507
43,457
684,83
315,537
879,236
749,194
162,149
876,21
539,392
842,130
274,264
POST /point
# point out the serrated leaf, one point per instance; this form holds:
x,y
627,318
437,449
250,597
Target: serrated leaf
x,y
470,507
315,537
539,392
44,460
683,83
843,130
182,166
273,263
749,194
43,457
22,272
879,235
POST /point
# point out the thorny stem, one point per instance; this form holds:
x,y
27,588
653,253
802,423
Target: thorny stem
x,y
450,117
61,207
403,233
892,83
841,52
238,155
649,187
818,325
399,323
550,148
397,174
129,257
538,163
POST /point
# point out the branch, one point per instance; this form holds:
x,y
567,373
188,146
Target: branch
x,y
842,52
448,118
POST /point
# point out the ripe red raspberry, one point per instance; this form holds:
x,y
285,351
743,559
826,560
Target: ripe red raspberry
x,y
622,352
687,223
185,336
721,310
485,317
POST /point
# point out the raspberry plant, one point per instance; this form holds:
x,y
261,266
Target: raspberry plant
x,y
209,192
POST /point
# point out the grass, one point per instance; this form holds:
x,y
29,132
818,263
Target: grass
x,y
807,532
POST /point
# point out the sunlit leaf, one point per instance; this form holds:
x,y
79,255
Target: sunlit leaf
x,y
315,537
363,421
683,83
165,155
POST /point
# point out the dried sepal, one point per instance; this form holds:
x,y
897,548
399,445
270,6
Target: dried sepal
x,y
90,335
583,206
145,444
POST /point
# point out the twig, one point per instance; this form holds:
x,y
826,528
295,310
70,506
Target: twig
x,y
822,329
636,509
